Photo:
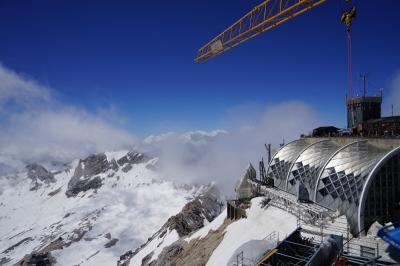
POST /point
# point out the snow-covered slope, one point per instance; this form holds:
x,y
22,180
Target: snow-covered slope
x,y
88,214
259,224
202,210
220,241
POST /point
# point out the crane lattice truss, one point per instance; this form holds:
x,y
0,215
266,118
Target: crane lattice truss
x,y
261,18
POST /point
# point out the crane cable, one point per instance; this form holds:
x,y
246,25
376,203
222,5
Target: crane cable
x,y
347,19
349,64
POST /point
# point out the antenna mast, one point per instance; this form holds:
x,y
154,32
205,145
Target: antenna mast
x,y
364,78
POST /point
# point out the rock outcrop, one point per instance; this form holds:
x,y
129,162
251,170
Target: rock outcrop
x,y
206,206
39,176
86,174
133,158
191,218
42,259
195,253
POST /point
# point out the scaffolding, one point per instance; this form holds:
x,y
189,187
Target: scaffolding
x,y
319,223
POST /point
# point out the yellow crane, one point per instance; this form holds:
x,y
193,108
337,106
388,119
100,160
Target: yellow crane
x,y
262,18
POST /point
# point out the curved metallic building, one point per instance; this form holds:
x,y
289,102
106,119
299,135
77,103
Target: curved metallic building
x,y
307,167
283,160
356,177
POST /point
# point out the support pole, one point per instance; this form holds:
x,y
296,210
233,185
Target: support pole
x,y
322,229
348,238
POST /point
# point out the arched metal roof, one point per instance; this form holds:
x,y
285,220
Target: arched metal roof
x,y
327,162
282,161
368,183
337,175
309,164
343,178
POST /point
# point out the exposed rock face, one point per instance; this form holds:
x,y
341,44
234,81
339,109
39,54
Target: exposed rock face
x,y
42,259
195,253
57,227
4,261
205,206
145,260
38,172
85,175
191,218
133,158
125,258
127,168
83,185
55,192
113,165
111,243
168,255
93,165
39,175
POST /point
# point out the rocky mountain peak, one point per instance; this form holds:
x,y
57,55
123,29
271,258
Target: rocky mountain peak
x,y
133,158
100,189
39,175
86,174
92,165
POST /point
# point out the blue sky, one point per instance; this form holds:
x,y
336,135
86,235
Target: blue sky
x,y
137,57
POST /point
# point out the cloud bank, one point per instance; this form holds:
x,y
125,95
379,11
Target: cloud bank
x,y
20,90
36,127
223,156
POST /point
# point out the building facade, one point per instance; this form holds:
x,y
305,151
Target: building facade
x,y
357,177
361,109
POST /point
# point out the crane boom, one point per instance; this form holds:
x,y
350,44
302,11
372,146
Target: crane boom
x,y
261,18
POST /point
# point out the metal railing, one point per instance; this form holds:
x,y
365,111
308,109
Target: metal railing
x,y
320,222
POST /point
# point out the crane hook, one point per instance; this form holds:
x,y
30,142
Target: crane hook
x,y
348,16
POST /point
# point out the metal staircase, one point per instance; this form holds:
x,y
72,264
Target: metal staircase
x,y
318,223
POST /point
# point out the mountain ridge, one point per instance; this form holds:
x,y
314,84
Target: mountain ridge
x,y
89,213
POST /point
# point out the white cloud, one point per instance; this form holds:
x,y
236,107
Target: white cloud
x,y
43,130
35,127
223,156
20,89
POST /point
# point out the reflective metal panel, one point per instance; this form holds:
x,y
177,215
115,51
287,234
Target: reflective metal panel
x,y
341,182
381,194
283,160
309,164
